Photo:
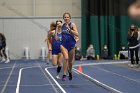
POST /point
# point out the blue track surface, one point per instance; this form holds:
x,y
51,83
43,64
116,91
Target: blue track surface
x,y
79,84
123,79
30,76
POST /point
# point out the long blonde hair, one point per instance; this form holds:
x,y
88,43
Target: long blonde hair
x,y
67,14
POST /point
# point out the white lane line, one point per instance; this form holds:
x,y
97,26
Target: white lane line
x,y
15,67
113,90
118,75
55,89
102,63
51,67
55,81
91,64
5,68
19,77
3,89
32,85
41,85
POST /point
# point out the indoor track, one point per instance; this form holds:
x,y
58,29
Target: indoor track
x,y
35,76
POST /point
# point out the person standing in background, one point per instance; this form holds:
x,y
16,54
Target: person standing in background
x,y
139,41
132,42
104,53
2,49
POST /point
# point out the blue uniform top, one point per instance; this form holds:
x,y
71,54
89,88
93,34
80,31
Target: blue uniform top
x,y
68,40
56,44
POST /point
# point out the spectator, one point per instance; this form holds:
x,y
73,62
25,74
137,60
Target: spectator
x,y
104,53
123,48
77,53
132,43
90,52
122,53
139,41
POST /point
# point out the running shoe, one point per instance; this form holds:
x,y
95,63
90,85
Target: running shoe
x,y
64,78
57,77
70,76
131,65
3,59
7,61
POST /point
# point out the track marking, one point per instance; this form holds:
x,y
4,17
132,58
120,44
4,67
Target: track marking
x,y
55,81
47,85
91,64
5,68
118,75
113,90
3,89
48,79
102,63
19,77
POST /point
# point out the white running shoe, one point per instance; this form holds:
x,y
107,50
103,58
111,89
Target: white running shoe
x,y
131,65
136,65
3,59
7,61
58,77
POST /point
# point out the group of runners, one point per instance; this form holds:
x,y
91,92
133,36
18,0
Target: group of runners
x,y
61,41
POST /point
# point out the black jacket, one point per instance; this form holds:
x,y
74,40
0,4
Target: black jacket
x,y
132,40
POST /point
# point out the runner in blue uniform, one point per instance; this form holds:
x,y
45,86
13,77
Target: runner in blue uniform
x,y
56,42
69,39
49,41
